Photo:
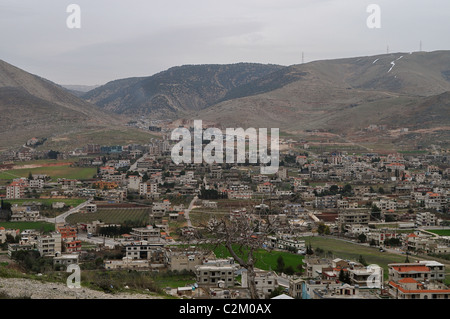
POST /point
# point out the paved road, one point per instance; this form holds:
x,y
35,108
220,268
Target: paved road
x,y
187,211
110,242
62,218
133,167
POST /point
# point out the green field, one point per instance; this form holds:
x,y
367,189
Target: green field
x,y
440,232
47,201
55,172
112,216
43,226
345,250
103,136
265,260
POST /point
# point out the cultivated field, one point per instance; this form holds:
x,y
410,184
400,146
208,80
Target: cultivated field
x,y
42,226
54,169
113,216
265,260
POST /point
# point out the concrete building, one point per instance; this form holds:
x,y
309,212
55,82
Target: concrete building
x,y
265,281
421,271
216,273
409,288
426,219
353,217
65,260
49,245
148,233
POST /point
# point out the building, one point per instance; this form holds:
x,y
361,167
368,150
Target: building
x,y
127,263
265,282
23,214
16,189
5,232
186,260
148,188
65,260
314,266
12,248
425,219
148,233
49,245
216,273
378,236
69,239
353,217
421,271
134,182
155,253
410,288
344,291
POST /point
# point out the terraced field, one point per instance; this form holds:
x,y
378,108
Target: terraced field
x,y
112,215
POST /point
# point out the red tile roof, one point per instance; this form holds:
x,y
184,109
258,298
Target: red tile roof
x,y
411,268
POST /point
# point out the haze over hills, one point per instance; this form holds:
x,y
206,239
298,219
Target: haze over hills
x,y
35,107
176,91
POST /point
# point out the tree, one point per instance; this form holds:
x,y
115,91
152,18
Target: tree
x,y
341,275
362,261
323,229
309,250
52,154
300,269
347,190
289,270
239,237
280,264
362,238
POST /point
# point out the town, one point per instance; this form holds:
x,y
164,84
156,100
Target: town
x,y
316,227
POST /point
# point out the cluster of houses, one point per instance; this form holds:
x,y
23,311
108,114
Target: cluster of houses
x,y
372,198
411,280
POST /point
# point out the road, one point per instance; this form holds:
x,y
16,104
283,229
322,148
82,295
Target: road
x,y
110,242
187,211
62,218
133,167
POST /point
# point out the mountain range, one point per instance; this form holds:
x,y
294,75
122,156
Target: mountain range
x,y
177,91
339,96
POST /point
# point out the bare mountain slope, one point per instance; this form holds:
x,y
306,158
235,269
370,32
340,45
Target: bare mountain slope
x,y
177,91
33,106
344,95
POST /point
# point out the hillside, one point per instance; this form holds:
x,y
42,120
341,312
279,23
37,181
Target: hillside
x,y
344,95
35,107
177,91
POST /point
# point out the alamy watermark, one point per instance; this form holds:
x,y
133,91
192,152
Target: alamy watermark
x,y
73,21
74,280
374,19
234,143
375,278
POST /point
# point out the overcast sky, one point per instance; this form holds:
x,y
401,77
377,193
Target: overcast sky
x,y
120,39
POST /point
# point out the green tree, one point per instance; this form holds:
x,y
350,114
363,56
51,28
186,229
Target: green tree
x,y
341,275
362,261
362,238
289,270
280,264
323,229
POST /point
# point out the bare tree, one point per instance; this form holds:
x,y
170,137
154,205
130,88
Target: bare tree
x,y
242,234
